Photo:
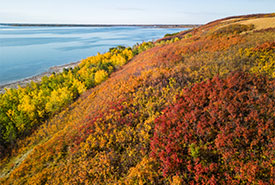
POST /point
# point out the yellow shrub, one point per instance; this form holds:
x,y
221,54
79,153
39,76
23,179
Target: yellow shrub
x,y
100,76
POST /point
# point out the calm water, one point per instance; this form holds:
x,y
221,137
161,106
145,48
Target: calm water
x,y
28,51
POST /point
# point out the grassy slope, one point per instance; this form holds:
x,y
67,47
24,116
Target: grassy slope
x,y
105,135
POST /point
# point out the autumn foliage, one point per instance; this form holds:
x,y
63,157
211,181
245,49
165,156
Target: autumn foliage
x,y
23,109
196,107
219,131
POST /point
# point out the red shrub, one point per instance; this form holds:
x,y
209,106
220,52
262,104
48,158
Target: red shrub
x,y
219,131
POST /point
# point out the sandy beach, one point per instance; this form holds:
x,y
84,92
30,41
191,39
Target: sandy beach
x,y
37,78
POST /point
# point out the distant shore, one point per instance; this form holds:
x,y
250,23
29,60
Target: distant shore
x,y
106,25
57,69
37,78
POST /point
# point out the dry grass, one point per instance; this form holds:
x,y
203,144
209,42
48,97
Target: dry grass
x,y
233,20
261,23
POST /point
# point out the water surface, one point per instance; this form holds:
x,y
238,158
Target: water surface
x,y
28,51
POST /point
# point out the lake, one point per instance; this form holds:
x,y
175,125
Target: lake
x,y
29,51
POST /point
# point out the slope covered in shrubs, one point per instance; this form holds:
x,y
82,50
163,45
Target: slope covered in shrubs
x,y
195,107
219,131
23,109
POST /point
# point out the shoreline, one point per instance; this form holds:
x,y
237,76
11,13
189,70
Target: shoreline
x,y
37,78
104,25
59,68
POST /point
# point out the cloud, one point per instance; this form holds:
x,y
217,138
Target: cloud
x,y
202,12
130,9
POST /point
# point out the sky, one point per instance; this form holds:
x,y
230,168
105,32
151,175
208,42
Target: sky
x,y
127,11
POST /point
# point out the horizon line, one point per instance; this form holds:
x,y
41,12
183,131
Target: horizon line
x,y
99,25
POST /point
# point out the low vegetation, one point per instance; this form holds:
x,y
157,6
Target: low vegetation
x,y
170,34
23,109
233,29
193,108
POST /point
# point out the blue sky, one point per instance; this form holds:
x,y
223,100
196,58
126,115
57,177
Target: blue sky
x,y
127,11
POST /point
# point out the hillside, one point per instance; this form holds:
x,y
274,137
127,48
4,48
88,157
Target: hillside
x,y
197,107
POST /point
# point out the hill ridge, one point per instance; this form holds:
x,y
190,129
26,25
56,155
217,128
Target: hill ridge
x,y
117,131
